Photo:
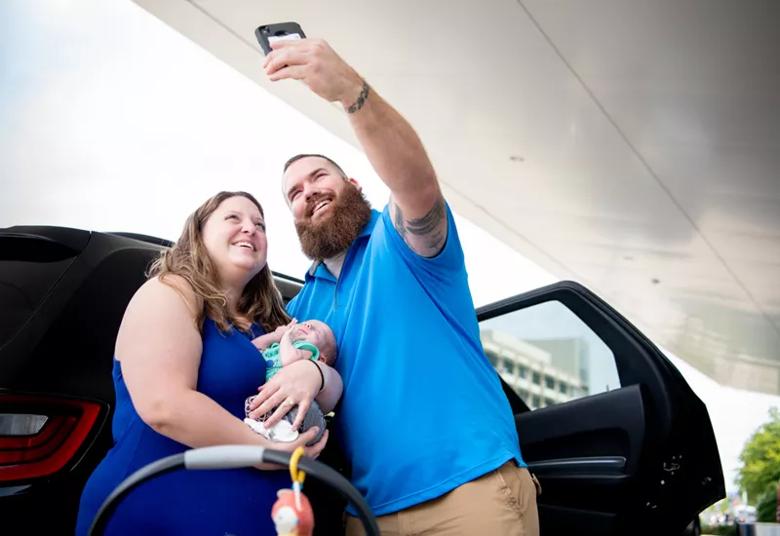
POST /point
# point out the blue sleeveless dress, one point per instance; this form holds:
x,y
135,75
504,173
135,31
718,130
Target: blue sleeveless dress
x,y
236,501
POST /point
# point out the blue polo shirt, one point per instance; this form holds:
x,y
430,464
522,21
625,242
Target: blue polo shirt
x,y
423,410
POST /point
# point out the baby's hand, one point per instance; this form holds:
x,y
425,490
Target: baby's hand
x,y
264,341
281,330
286,335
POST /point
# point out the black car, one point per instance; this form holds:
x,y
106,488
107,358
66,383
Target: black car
x,y
614,434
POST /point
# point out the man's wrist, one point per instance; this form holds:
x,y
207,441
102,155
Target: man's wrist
x,y
361,99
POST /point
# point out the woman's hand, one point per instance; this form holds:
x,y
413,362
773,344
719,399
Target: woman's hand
x,y
310,452
295,384
306,437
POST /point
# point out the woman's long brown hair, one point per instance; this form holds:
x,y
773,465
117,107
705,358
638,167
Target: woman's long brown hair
x,y
260,301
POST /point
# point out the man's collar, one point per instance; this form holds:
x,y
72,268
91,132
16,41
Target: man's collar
x,y
369,227
365,232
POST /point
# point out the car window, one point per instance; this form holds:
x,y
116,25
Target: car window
x,y
547,355
23,286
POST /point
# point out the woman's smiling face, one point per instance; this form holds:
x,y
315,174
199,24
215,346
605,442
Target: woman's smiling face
x,y
234,237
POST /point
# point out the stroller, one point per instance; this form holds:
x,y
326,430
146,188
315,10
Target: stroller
x,y
235,456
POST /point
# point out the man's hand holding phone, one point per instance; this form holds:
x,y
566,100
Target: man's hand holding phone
x,y
317,65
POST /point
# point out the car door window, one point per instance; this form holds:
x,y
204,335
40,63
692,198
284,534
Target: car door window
x,y
547,355
23,286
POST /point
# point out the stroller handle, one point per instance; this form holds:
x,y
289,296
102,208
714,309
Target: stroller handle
x,y
232,457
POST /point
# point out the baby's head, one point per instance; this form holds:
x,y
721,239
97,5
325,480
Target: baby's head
x,y
320,335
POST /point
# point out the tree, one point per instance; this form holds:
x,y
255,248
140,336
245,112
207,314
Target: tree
x,y
760,458
766,506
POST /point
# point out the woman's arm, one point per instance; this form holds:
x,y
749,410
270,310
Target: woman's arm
x,y
331,392
159,347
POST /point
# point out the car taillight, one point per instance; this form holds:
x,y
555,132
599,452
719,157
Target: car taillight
x,y
39,435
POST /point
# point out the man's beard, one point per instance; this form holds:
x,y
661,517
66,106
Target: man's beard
x,y
350,212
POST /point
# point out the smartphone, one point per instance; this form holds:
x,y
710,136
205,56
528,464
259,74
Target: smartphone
x,y
269,33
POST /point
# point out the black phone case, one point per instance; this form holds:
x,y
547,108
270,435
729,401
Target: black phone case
x,y
271,30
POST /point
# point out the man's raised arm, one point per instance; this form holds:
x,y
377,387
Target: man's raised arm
x,y
390,143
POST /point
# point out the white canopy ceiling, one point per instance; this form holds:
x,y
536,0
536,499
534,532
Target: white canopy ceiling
x,y
631,146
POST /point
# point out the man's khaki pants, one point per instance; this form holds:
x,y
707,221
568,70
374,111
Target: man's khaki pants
x,y
500,502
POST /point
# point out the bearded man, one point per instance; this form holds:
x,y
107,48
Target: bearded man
x,y
423,420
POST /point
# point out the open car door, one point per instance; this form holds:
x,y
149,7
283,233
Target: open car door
x,y
618,440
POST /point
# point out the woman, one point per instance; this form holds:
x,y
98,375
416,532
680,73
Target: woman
x,y
184,363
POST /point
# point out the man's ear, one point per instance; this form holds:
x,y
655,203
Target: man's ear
x,y
355,183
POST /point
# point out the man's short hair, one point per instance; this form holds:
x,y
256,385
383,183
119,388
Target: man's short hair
x,y
308,155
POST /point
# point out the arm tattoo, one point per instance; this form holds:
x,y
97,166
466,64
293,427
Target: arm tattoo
x,y
428,227
399,221
361,100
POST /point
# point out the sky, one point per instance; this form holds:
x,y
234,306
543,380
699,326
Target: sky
x,y
112,121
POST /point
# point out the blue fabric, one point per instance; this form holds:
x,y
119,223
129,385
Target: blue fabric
x,y
236,501
423,410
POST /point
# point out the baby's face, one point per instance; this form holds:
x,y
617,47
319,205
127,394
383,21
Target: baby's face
x,y
319,334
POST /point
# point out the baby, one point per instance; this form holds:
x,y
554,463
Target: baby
x,y
311,339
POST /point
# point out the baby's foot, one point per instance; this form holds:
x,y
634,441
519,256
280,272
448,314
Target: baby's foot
x,y
281,431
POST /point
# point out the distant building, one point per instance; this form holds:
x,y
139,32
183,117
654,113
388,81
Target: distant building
x,y
542,373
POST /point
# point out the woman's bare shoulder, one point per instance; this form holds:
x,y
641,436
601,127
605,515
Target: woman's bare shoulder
x,y
167,291
158,309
